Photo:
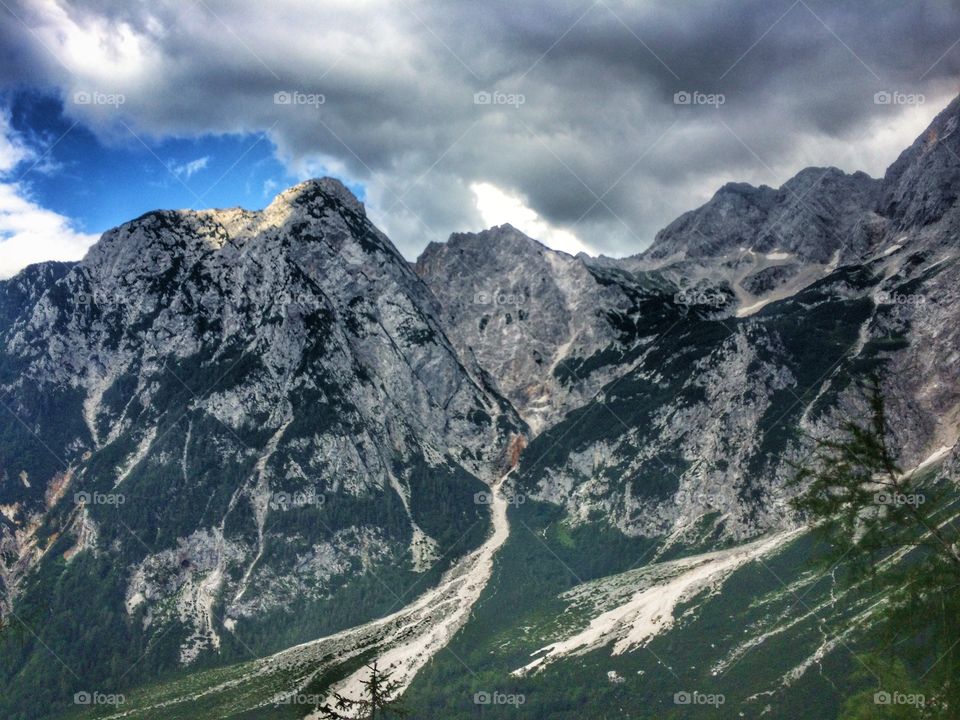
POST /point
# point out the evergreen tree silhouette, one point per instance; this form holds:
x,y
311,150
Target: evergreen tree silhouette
x,y
378,700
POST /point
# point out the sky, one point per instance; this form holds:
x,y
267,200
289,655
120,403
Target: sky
x,y
589,125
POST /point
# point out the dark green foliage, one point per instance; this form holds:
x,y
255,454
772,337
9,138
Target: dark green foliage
x,y
378,699
900,531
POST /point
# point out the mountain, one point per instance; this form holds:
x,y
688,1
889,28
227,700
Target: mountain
x,y
244,453
221,417
920,188
811,217
549,329
741,329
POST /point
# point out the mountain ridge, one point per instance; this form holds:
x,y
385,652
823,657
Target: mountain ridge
x,y
262,432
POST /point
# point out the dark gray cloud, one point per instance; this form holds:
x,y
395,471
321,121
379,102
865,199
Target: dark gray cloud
x,y
598,145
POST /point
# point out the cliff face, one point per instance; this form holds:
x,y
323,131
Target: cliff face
x,y
238,411
696,368
525,312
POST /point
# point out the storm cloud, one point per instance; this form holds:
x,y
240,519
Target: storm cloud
x,y
605,119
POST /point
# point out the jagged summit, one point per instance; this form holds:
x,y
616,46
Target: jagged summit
x,y
496,240
811,216
309,191
921,186
822,211
162,238
528,313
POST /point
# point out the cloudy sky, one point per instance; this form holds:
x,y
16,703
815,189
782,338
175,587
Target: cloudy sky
x,y
589,124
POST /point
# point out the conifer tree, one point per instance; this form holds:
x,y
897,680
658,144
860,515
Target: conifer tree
x,y
379,700
899,530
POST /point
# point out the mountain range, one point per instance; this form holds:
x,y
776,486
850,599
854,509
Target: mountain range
x,y
242,453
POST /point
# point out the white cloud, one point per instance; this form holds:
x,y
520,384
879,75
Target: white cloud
x,y
497,207
598,121
12,150
30,233
189,169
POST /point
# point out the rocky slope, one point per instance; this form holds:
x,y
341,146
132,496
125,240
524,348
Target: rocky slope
x,y
525,312
229,414
738,332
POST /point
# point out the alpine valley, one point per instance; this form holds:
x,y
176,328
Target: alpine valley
x,y
244,454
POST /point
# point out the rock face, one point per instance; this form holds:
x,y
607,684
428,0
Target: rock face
x,y
742,328
811,216
237,412
528,314
922,186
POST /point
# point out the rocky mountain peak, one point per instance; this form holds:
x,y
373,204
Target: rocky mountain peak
x,y
822,211
810,216
314,211
308,192
527,313
920,187
500,244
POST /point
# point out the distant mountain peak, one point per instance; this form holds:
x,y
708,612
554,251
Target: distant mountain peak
x,y
498,237
308,191
920,187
